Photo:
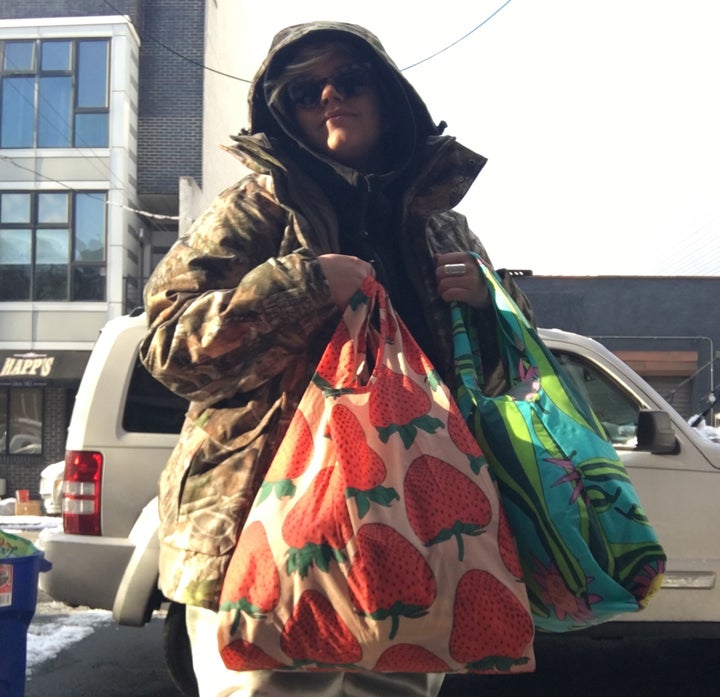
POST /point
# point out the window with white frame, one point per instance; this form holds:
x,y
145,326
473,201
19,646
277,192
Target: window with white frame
x,y
52,245
54,93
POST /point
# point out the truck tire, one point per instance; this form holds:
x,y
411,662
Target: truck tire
x,y
178,656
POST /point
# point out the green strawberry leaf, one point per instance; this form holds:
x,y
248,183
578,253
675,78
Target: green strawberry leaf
x,y
381,495
240,606
409,430
476,463
434,381
327,389
457,531
311,554
282,488
395,612
357,299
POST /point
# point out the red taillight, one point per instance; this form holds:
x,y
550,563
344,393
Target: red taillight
x,y
81,492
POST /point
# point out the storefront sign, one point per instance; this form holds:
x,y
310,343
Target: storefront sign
x,y
31,367
27,365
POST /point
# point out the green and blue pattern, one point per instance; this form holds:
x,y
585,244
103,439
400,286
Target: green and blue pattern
x,y
587,549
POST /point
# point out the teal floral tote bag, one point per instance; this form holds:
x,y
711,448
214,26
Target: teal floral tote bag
x,y
587,549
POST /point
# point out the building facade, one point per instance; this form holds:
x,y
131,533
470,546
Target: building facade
x,y
101,112
666,328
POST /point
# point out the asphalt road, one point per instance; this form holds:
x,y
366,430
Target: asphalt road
x,y
584,667
114,661
123,661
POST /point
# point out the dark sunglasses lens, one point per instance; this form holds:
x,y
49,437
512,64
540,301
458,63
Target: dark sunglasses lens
x,y
306,93
349,83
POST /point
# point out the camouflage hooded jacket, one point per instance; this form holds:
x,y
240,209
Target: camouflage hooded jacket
x,y
240,311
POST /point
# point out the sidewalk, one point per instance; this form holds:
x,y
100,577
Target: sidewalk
x,y
28,526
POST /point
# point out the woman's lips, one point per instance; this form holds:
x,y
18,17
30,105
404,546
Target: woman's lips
x,y
336,114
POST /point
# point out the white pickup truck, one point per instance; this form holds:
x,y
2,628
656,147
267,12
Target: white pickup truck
x,y
124,425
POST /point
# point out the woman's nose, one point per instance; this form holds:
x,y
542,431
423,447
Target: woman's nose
x,y
329,92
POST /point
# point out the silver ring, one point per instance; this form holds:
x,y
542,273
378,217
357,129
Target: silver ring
x,y
455,269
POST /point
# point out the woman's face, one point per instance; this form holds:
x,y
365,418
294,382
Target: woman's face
x,y
344,124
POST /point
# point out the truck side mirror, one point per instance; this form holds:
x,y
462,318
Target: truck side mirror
x,y
655,432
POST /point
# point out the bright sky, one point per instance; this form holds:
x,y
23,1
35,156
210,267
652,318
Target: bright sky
x,y
600,120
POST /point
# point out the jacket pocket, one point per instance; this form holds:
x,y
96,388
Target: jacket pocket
x,y
208,487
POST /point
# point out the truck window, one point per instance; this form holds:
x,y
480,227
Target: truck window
x,y
150,406
615,409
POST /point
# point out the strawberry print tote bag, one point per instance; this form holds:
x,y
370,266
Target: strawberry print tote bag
x,y
586,546
377,540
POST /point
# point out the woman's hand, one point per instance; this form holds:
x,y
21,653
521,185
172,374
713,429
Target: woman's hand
x,y
458,278
344,275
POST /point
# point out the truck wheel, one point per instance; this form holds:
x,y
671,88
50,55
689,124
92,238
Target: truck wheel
x,y
178,656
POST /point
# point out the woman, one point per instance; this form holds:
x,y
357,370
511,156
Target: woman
x,y
350,177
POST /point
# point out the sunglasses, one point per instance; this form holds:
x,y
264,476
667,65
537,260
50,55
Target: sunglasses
x,y
347,81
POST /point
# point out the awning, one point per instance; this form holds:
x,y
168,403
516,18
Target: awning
x,y
41,367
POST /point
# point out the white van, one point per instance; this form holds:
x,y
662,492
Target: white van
x,y
125,424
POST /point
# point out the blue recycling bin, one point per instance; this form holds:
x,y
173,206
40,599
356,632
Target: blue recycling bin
x,y
18,598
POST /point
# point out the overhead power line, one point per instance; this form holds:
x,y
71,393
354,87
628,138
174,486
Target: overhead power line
x,y
457,41
145,214
200,64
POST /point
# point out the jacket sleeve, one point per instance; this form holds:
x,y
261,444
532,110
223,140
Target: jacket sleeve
x,y
233,300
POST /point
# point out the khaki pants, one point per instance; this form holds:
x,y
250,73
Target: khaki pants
x,y
215,680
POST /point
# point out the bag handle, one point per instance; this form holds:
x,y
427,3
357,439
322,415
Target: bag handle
x,y
358,340
511,326
528,361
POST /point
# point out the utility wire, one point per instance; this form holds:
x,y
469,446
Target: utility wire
x,y
200,64
145,214
457,41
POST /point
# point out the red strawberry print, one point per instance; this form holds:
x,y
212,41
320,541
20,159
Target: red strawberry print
x,y
252,582
362,468
243,655
508,546
315,633
388,577
336,369
291,459
416,359
410,658
463,439
400,405
317,527
443,503
491,628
